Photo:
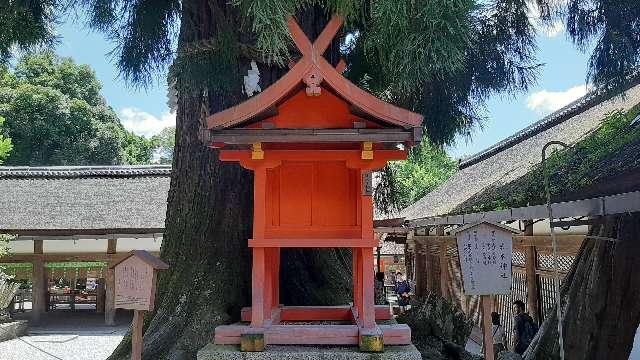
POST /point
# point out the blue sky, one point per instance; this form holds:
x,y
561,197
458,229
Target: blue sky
x,y
144,111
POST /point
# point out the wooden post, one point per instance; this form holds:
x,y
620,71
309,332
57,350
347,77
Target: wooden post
x,y
532,278
257,288
110,286
275,278
100,293
486,325
420,260
110,298
39,287
444,265
136,335
367,313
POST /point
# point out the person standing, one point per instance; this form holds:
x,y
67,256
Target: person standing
x,y
524,328
497,332
402,289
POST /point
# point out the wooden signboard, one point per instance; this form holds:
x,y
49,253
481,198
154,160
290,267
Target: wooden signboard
x,y
135,288
485,252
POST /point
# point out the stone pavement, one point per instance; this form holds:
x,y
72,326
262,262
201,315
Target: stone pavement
x,y
67,336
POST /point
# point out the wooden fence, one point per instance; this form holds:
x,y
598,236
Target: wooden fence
x,y
435,268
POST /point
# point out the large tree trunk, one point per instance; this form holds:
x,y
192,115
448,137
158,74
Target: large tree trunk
x,y
209,219
600,296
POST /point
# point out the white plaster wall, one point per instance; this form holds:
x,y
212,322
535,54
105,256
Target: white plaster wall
x,y
86,245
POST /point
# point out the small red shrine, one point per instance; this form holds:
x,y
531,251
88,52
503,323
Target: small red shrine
x,y
312,139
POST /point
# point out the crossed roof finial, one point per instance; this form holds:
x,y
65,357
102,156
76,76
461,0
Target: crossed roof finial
x,y
312,52
313,69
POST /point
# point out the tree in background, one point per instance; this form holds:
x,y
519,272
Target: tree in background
x,y
163,144
56,116
402,183
5,143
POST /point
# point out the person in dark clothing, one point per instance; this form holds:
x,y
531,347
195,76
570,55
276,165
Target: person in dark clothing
x,y
524,328
402,289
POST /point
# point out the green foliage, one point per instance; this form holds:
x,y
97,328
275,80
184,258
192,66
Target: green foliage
x,y
611,25
438,57
5,143
25,24
144,32
609,151
4,244
137,150
55,115
402,183
163,144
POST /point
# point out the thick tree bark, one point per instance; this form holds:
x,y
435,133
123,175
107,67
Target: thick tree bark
x,y
600,296
209,217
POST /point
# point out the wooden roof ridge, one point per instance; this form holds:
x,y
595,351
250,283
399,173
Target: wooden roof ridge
x,y
145,256
313,63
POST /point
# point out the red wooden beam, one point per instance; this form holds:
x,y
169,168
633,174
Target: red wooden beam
x,y
319,313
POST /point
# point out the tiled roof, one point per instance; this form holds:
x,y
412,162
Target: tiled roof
x,y
68,172
514,157
64,198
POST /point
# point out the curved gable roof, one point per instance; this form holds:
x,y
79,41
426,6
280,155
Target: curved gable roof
x,y
313,63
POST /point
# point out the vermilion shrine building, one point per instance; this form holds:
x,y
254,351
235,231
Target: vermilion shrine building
x,y
312,139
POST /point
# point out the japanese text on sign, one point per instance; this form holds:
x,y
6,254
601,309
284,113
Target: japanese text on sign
x,y
485,259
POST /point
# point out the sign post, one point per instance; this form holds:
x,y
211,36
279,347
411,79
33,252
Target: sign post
x,y
485,251
135,288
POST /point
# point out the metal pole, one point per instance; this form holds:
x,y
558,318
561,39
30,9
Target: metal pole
x,y
554,242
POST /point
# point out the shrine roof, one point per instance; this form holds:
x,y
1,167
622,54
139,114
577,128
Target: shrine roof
x,y
316,72
145,256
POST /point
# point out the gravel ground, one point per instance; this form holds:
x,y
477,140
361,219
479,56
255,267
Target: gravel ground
x,y
67,336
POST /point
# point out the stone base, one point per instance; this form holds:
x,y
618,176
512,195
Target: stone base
x,y
12,330
290,352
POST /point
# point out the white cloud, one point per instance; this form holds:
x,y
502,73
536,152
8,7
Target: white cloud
x,y
550,30
547,101
142,123
553,30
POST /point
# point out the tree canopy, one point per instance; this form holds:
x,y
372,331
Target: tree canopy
x,y
5,143
55,115
438,57
163,143
402,183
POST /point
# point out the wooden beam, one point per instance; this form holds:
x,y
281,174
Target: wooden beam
x,y
128,232
390,230
112,244
566,243
420,269
250,136
434,240
531,264
110,296
66,257
39,287
314,243
444,265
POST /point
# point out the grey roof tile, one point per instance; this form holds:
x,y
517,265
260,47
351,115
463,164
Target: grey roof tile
x,y
509,163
